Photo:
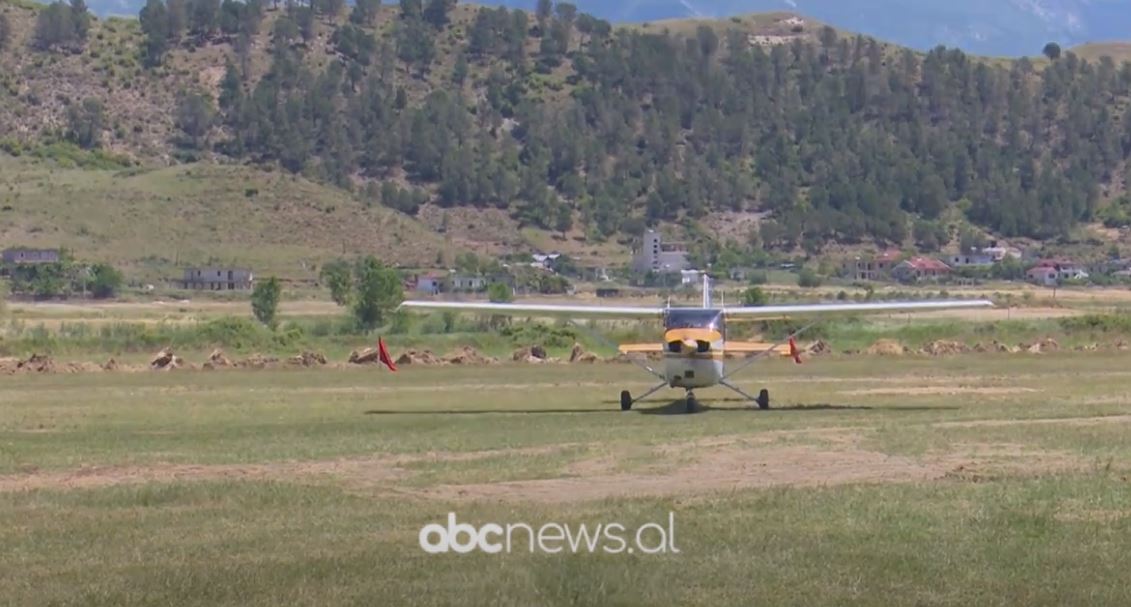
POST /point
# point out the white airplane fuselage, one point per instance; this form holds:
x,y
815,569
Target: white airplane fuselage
x,y
694,340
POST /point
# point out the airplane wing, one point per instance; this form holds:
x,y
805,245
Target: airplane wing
x,y
641,348
521,309
763,312
752,347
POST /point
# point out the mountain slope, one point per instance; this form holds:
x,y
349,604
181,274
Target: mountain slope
x,y
565,124
1010,28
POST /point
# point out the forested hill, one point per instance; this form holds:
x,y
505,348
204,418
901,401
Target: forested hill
x,y
565,121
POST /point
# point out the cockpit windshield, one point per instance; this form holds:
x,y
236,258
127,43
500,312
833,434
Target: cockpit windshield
x,y
694,318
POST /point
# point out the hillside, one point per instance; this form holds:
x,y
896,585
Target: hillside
x,y
152,221
995,28
560,129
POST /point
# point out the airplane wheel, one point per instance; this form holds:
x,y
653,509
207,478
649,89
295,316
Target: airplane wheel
x,y
764,399
625,400
692,404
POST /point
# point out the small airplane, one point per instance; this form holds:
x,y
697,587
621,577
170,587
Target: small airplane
x,y
694,343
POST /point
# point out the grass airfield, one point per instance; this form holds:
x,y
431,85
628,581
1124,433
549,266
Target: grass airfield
x,y
982,480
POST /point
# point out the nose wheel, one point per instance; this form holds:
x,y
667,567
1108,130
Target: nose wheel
x,y
691,404
763,399
625,400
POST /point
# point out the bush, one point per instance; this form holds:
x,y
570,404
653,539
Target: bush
x,y
265,301
808,279
754,296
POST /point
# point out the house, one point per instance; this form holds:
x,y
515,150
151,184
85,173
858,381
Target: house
x,y
983,257
657,256
467,282
24,255
217,279
691,277
920,268
1051,272
544,262
874,267
431,283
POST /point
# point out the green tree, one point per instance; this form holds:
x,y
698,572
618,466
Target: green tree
x,y
498,292
1052,51
105,280
436,12
5,31
754,296
377,290
85,123
336,276
154,19
265,301
195,116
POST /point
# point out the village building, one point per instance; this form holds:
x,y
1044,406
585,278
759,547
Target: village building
x,y
218,279
872,267
660,257
919,269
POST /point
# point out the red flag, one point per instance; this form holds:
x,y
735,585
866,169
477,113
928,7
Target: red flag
x,y
383,352
793,351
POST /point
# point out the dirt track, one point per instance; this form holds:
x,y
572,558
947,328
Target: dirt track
x,y
706,466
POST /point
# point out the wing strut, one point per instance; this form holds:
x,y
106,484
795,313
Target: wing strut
x,y
773,348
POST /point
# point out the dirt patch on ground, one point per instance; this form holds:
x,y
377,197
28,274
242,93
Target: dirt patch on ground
x,y
1055,421
939,390
355,471
703,467
753,464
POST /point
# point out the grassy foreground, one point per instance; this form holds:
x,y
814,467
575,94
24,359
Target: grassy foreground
x,y
970,480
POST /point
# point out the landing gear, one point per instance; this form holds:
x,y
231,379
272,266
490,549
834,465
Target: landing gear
x,y
625,400
692,404
763,400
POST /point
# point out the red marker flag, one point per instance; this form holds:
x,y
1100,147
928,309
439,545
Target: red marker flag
x,y
383,353
793,351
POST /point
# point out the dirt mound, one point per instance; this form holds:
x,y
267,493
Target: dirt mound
x,y
307,359
579,355
1047,344
110,365
945,348
530,354
1121,345
165,360
257,361
217,359
886,347
417,357
81,367
997,346
1087,348
470,356
819,348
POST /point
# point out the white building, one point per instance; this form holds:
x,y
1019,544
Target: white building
x,y
656,256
